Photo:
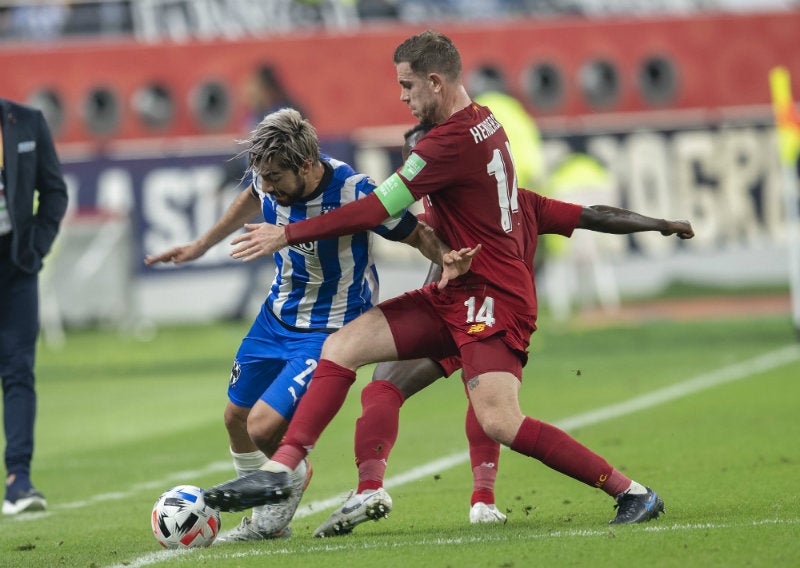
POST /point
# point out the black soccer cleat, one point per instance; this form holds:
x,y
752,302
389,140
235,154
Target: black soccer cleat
x,y
637,508
256,488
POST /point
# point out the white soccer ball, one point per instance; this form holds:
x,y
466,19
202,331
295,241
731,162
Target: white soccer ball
x,y
181,519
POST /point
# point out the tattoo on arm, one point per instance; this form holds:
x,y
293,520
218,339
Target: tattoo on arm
x,y
473,383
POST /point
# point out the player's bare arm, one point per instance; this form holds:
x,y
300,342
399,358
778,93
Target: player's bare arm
x,y
243,208
424,239
453,263
608,219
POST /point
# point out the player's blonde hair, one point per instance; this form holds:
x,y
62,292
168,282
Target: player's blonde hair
x,y
285,138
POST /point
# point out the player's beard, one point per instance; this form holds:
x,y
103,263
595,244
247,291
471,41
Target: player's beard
x,y
426,113
288,198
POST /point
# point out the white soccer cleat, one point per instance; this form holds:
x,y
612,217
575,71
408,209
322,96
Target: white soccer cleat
x,y
276,517
249,531
483,513
359,507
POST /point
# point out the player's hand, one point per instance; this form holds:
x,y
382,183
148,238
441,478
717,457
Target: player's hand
x,y
261,239
681,228
455,263
177,255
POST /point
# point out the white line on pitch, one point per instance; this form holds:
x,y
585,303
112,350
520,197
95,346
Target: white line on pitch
x,y
200,556
731,373
728,374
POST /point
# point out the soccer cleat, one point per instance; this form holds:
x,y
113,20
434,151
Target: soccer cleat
x,y
23,501
256,488
483,513
277,516
637,508
248,531
359,507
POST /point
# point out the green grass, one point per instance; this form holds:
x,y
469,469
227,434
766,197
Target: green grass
x,y
121,420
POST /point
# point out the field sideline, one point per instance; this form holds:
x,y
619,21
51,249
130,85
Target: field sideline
x,y
673,412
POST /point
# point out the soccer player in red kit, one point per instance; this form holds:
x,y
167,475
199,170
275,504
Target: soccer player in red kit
x,y
486,314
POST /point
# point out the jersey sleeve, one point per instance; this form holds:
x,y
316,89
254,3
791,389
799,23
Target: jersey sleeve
x,y
392,228
360,215
553,216
428,167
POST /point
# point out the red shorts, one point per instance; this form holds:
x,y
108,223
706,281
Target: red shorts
x,y
439,324
449,365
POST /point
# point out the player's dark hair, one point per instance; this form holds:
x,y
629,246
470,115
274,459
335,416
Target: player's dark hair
x,y
430,52
285,138
412,136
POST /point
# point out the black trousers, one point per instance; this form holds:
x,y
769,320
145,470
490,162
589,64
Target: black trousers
x,y
19,327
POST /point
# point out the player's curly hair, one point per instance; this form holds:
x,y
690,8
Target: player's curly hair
x,y
285,138
430,52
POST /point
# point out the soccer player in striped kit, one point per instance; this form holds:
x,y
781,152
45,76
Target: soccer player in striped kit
x,y
486,315
318,288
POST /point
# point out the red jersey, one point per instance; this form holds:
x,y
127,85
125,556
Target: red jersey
x,y
464,167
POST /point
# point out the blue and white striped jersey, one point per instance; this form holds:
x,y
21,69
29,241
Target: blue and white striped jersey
x,y
325,284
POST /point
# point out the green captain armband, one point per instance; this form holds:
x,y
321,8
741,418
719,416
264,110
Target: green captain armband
x,y
394,195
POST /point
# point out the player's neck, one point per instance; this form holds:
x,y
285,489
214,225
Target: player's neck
x,y
458,101
314,177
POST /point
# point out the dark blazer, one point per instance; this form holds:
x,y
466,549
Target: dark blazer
x,y
31,165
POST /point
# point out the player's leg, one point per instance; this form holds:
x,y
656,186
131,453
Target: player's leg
x,y
376,433
377,427
484,457
494,396
367,339
263,392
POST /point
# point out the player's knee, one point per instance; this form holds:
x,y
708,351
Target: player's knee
x,y
264,436
235,419
497,427
266,429
339,350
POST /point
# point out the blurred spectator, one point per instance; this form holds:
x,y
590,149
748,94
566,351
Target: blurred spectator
x,y
265,93
377,9
106,17
579,272
488,87
36,22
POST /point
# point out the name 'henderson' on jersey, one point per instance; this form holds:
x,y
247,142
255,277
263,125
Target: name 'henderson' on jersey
x,y
464,165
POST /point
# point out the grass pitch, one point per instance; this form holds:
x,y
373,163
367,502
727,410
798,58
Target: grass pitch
x,y
121,420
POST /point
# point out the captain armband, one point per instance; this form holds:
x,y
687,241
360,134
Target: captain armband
x,y
394,195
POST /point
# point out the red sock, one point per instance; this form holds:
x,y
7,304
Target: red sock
x,y
484,454
376,432
556,449
323,399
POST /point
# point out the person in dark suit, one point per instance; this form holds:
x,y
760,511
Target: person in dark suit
x,y
29,169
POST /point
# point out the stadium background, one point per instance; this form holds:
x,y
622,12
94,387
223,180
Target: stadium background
x,y
144,101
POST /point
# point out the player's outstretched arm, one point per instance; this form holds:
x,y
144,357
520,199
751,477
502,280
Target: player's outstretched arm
x,y
242,209
608,219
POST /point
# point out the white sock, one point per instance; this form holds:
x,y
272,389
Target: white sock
x,y
300,472
245,463
248,461
636,489
276,467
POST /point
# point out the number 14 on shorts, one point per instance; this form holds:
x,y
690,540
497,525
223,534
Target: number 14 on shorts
x,y
484,316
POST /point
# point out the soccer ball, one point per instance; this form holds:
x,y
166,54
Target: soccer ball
x,y
181,519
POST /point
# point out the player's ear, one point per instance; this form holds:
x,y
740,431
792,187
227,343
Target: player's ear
x,y
436,81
